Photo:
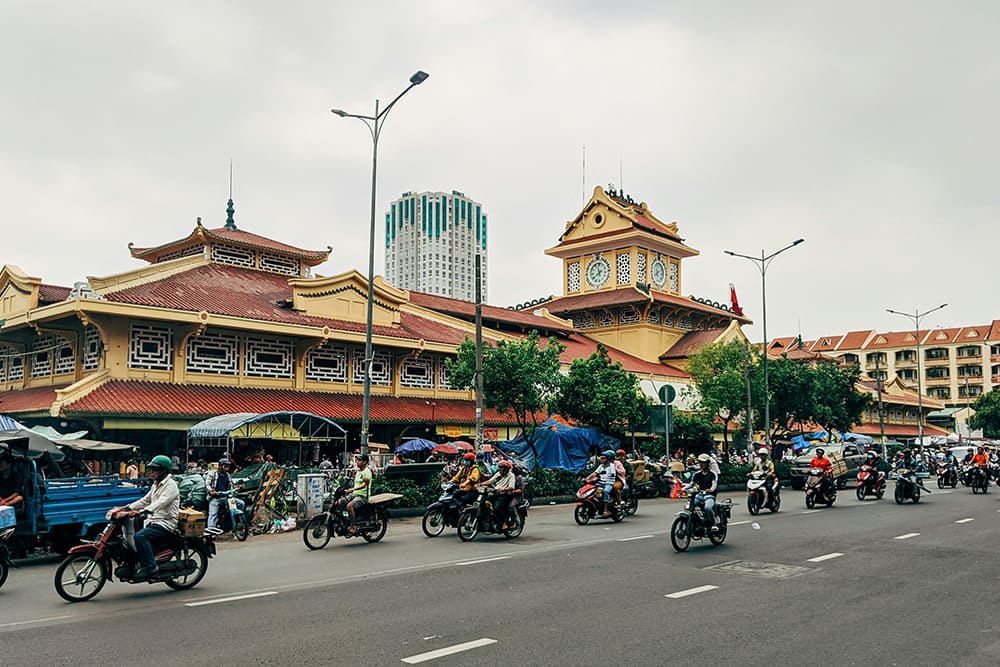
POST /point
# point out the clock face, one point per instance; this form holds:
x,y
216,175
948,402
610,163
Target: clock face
x,y
598,271
658,272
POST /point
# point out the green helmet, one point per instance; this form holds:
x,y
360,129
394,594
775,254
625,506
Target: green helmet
x,y
160,461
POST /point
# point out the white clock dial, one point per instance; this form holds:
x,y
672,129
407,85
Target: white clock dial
x,y
658,272
598,271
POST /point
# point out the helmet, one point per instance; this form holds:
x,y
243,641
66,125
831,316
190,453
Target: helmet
x,y
469,456
820,452
361,457
762,451
620,452
610,454
704,458
160,461
505,464
224,461
871,455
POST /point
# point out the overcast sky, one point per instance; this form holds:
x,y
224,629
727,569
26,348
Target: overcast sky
x,y
870,132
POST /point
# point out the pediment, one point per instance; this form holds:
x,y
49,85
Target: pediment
x,y
881,340
18,291
345,297
612,214
910,338
941,336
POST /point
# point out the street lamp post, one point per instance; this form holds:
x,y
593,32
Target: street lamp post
x,y
916,316
374,124
762,263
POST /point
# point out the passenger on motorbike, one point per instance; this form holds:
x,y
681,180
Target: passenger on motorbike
x,y
467,478
357,496
623,474
707,483
503,483
820,461
980,459
219,481
162,505
764,464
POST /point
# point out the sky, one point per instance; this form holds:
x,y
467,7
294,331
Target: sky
x,y
868,131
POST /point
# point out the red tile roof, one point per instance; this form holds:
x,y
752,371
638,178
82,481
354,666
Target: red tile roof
x,y
910,398
33,399
53,293
994,335
238,292
467,310
691,342
820,344
898,430
626,295
854,340
973,334
892,339
235,237
160,399
941,336
581,347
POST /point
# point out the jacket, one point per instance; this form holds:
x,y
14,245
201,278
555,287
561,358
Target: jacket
x,y
162,503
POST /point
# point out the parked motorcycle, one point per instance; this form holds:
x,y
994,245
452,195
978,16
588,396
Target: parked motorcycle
x,y
231,517
590,504
443,512
691,524
818,491
630,501
648,490
182,561
370,521
908,486
979,480
759,495
5,562
871,481
479,518
947,475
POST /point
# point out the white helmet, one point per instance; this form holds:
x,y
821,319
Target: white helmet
x,y
762,450
704,458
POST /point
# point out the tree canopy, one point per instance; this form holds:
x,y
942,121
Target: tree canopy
x,y
987,415
601,394
718,373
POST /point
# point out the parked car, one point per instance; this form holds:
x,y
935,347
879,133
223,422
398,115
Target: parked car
x,y
850,453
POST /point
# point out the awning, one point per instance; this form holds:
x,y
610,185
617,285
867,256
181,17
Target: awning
x,y
85,445
33,444
308,425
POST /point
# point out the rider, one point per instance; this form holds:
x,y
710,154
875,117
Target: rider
x,y
162,505
905,460
820,461
707,483
623,474
357,496
606,475
467,477
503,482
11,486
764,464
219,481
981,460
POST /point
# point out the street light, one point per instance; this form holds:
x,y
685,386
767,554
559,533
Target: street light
x,y
916,316
762,263
374,124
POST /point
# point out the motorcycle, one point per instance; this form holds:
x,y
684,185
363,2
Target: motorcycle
x,y
690,522
443,512
630,501
815,492
182,560
478,518
979,480
908,486
649,489
870,481
5,561
231,517
947,476
371,520
590,504
759,495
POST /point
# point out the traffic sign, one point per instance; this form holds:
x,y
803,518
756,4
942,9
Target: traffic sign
x,y
667,394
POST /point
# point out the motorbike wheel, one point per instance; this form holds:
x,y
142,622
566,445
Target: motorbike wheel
x,y
468,524
775,503
632,506
317,532
954,482
940,482
80,578
3,573
752,504
880,493
899,496
680,538
241,529
719,537
618,514
581,515
433,522
916,495
515,526
830,501
810,500
975,488
378,532
861,492
186,581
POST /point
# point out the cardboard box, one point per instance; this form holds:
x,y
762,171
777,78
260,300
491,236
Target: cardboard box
x,y
7,518
839,468
191,523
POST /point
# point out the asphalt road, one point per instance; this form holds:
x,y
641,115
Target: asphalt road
x,y
861,583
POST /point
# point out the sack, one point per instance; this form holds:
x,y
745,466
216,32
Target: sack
x,y
193,492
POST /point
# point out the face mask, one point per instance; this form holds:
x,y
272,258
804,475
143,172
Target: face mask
x,y
467,463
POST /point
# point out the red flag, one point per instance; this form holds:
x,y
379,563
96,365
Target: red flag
x,y
735,303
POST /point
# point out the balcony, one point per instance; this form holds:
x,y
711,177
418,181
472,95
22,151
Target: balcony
x,y
904,363
937,361
937,381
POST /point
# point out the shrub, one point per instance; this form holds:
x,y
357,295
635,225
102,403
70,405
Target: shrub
x,y
546,483
414,494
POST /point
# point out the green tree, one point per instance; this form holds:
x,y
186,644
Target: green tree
x,y
789,384
601,394
519,377
836,402
693,432
718,373
987,416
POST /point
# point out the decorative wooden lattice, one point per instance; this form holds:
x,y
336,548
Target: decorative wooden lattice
x,y
416,373
573,277
183,252
92,348
381,368
623,262
326,364
444,377
268,357
213,352
605,319
231,255
640,267
673,277
150,347
628,315
279,264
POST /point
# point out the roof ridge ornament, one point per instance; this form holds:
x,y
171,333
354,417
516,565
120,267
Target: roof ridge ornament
x,y
230,210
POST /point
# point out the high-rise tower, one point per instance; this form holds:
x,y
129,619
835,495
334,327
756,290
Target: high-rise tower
x,y
431,242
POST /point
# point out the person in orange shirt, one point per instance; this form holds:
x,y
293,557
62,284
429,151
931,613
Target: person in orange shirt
x,y
981,459
820,461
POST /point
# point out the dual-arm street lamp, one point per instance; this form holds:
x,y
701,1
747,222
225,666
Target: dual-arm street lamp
x,y
915,317
762,263
374,123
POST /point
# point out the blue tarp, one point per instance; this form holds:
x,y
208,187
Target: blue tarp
x,y
416,445
558,446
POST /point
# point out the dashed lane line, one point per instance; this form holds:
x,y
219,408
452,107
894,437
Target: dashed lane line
x,y
965,520
483,560
232,598
34,620
690,591
448,650
906,536
820,559
632,539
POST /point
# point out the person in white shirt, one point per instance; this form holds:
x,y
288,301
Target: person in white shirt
x,y
161,507
503,483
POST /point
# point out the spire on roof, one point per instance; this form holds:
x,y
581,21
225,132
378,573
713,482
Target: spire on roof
x,y
230,210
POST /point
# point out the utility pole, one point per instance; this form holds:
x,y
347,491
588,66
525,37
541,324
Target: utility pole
x,y
479,355
881,410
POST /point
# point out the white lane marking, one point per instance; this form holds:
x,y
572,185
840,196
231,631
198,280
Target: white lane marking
x,y
448,650
942,492
820,559
810,511
638,537
906,536
737,523
34,620
233,598
690,591
482,560
964,520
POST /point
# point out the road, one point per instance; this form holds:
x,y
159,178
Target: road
x,y
860,583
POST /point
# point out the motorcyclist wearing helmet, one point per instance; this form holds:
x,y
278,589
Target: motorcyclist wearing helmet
x,y
606,474
218,482
820,461
161,505
467,478
707,483
503,483
764,464
356,496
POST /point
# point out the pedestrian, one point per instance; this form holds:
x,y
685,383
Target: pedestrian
x,y
131,470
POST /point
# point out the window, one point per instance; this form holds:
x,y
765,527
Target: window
x,y
939,373
936,353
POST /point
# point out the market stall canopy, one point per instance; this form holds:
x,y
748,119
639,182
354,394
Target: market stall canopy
x,y
416,445
8,424
308,425
53,434
446,448
463,445
34,444
82,444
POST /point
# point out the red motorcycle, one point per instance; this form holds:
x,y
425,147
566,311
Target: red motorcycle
x,y
590,504
181,560
871,481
